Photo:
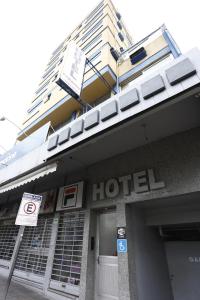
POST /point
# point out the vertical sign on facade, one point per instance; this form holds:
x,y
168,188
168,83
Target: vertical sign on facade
x,y
71,74
29,210
121,240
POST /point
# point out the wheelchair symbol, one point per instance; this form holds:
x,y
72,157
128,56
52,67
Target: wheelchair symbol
x,y
122,246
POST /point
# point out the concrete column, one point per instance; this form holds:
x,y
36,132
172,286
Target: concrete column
x,y
87,263
52,245
123,266
148,271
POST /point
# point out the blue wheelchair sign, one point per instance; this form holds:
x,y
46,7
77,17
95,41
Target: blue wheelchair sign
x,y
121,246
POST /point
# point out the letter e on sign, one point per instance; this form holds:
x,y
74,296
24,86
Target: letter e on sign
x,y
29,208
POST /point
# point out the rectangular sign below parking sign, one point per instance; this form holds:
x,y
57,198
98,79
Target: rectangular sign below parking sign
x,y
29,210
121,246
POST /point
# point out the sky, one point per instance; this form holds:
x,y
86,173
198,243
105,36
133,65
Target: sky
x,y
31,30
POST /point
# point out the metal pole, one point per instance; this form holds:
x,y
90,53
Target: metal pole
x,y
101,77
83,102
13,261
21,130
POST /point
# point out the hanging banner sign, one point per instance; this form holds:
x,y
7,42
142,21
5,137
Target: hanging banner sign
x,y
72,70
29,210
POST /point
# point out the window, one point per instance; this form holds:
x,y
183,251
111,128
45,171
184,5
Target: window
x,y
34,106
76,37
118,15
121,36
52,73
60,61
94,11
56,75
53,60
119,25
49,71
39,95
58,48
93,21
47,98
95,60
47,76
98,25
90,45
41,88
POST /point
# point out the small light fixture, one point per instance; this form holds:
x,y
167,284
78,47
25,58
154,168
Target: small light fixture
x,y
3,118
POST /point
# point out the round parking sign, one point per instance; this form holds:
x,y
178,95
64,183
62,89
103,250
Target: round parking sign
x,y
29,208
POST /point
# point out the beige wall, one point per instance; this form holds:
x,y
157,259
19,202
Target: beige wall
x,y
96,89
151,49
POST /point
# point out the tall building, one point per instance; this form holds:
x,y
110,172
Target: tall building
x,y
102,29
106,42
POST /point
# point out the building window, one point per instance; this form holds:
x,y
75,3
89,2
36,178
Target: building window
x,y
42,87
118,15
56,75
95,61
90,45
121,36
119,25
34,106
52,61
60,61
49,71
98,25
93,21
58,48
94,11
77,36
68,251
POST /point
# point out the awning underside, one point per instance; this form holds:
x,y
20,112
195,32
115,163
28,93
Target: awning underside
x,y
28,178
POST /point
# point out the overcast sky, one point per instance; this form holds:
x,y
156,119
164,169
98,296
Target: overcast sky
x,y
31,29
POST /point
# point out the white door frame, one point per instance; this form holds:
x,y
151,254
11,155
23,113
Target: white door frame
x,y
97,252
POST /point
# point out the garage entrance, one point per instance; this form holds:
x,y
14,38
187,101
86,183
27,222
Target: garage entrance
x,y
182,246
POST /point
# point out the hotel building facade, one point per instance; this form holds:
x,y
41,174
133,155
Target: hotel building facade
x,y
119,217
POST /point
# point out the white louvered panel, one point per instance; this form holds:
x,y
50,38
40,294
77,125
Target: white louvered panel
x,y
8,236
34,248
68,252
108,278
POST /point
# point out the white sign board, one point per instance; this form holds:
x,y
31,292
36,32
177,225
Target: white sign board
x,y
29,210
71,73
70,196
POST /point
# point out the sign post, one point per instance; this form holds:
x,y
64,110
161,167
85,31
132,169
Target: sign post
x,y
27,216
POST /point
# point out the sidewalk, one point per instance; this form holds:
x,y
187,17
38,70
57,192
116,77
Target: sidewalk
x,y
19,292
